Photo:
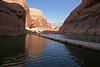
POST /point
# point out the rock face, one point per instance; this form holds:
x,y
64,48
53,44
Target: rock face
x,y
56,28
39,20
24,4
12,17
85,19
15,16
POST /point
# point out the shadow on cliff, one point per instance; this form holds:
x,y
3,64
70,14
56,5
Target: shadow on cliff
x,y
12,23
12,19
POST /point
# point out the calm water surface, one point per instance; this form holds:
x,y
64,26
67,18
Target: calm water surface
x,y
34,51
93,39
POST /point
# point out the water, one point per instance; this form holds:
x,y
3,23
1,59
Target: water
x,y
34,51
86,38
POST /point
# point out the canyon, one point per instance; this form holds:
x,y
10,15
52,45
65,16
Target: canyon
x,y
28,39
15,16
85,19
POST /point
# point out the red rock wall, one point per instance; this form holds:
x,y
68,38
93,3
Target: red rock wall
x,y
24,4
39,19
85,19
56,28
12,18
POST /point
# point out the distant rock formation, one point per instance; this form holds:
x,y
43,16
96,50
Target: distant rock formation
x,y
57,24
15,16
39,20
56,28
12,17
85,19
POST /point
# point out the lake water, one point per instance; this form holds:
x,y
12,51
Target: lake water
x,y
35,51
93,39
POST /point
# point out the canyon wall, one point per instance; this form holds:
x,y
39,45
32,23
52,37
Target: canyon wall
x,y
85,19
39,20
12,17
15,16
56,28
24,4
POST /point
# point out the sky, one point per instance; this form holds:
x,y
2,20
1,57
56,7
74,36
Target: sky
x,y
56,11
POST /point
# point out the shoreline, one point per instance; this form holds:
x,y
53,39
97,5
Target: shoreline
x,y
88,45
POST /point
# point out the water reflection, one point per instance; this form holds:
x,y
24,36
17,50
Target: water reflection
x,y
34,51
35,47
93,39
12,50
42,52
84,57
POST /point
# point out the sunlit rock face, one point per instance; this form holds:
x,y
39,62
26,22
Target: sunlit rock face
x,y
39,20
56,28
12,17
85,19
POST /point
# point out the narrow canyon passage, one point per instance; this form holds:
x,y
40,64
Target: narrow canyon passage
x,y
22,20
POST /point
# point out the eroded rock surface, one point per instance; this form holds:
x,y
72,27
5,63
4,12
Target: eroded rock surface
x,y
56,28
85,19
12,17
39,20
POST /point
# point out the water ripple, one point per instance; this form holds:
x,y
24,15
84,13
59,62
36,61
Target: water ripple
x,y
41,52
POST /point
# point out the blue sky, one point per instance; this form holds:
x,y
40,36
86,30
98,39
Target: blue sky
x,y
54,10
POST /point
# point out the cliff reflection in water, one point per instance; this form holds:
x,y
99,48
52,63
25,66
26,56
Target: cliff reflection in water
x,y
35,47
12,51
84,57
35,51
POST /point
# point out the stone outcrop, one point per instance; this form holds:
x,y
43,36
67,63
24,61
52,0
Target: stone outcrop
x,y
56,28
85,19
24,4
12,17
18,16
39,20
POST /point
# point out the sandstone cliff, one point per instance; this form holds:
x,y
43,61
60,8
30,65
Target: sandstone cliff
x,y
56,28
24,4
12,17
39,20
85,19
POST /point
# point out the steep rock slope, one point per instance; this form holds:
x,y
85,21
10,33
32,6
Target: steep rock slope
x,y
85,19
39,19
56,28
12,17
24,4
